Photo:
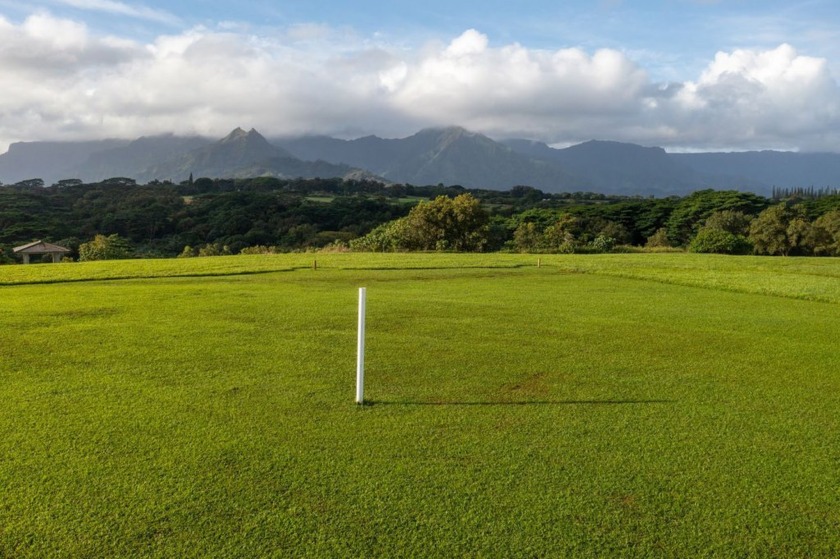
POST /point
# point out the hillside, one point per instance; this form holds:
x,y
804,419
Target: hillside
x,y
617,168
134,159
449,156
439,155
50,161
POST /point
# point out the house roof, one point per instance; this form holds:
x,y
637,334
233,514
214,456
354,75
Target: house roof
x,y
39,247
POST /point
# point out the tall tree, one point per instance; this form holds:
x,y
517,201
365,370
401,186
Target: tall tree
x,y
825,234
693,210
781,230
112,247
458,224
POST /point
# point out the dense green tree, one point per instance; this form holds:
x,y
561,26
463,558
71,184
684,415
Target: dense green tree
x,y
64,183
540,217
731,221
6,254
781,230
800,234
562,235
29,184
112,247
569,233
768,231
643,218
388,237
498,233
527,237
825,234
691,211
719,241
119,181
723,232
527,194
615,231
161,218
823,205
601,243
659,239
458,224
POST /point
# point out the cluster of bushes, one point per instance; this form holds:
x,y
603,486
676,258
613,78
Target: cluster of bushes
x,y
458,224
567,233
783,229
112,247
209,249
461,224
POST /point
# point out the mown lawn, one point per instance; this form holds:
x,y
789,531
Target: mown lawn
x,y
622,405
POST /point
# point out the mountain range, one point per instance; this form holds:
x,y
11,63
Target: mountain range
x,y
433,156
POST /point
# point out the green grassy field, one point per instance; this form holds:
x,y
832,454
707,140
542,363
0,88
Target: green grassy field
x,y
643,405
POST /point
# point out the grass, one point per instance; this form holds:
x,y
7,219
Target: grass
x,y
801,278
624,405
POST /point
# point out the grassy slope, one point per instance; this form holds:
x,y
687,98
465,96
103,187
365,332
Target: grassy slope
x,y
518,411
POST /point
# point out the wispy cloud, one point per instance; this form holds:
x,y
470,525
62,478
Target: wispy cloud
x,y
123,9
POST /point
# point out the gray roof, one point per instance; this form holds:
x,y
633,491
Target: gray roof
x,y
39,247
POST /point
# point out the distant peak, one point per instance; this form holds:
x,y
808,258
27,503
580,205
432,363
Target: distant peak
x,y
236,134
239,134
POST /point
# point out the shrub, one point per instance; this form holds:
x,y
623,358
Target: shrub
x,y
214,249
602,243
718,241
257,249
527,237
188,252
112,247
659,239
826,234
388,237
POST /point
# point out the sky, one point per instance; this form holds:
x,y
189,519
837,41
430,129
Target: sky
x,y
686,75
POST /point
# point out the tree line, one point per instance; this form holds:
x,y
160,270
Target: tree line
x,y
706,222
230,216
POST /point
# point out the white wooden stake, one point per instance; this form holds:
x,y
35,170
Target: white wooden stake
x,y
360,354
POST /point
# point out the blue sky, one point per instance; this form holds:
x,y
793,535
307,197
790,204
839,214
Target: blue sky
x,y
680,33
684,74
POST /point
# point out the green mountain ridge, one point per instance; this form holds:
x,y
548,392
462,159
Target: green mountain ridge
x,y
449,156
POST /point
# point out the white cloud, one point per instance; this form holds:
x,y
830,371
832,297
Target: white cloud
x,y
44,48
513,89
773,98
123,9
60,81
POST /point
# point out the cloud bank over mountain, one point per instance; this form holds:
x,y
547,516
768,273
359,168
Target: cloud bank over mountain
x,y
60,80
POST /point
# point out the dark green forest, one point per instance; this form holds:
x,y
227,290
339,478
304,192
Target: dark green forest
x,y
208,216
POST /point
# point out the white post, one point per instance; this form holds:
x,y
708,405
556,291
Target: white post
x,y
360,356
